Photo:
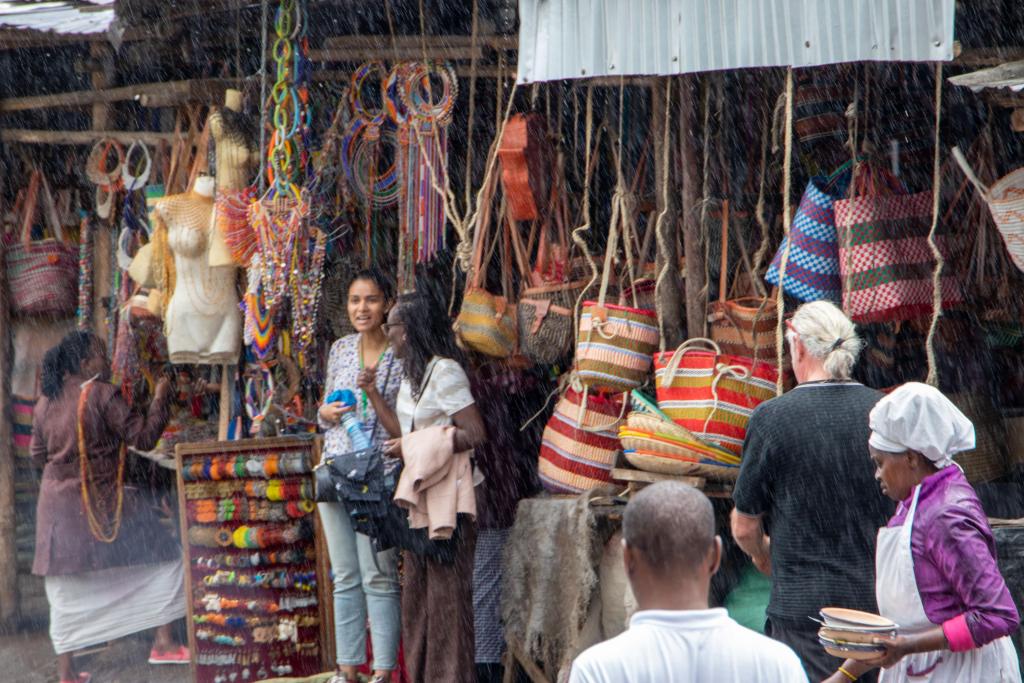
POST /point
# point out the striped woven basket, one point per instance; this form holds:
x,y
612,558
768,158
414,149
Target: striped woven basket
x,y
23,408
486,324
673,437
659,463
710,393
615,346
577,451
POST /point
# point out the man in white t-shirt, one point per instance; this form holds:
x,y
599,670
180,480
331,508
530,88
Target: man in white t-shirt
x,y
671,553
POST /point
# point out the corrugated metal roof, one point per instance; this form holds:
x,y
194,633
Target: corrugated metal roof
x,y
58,17
560,39
1009,76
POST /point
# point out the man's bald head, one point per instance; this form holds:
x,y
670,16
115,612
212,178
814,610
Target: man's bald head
x,y
671,526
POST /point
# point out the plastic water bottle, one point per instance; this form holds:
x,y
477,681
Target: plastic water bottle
x,y
353,426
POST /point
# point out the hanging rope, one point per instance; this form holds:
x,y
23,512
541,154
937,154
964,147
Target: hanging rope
x,y
659,233
577,234
705,192
472,102
762,222
933,370
787,168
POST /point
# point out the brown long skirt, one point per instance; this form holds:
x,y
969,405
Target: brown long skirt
x,y
437,614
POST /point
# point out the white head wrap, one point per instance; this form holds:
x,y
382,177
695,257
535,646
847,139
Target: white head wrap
x,y
918,417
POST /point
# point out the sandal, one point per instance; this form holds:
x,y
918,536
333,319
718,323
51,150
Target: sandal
x,y
179,656
82,678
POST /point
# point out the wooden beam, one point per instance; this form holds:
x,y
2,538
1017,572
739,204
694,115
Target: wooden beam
x,y
461,70
363,42
384,52
989,56
81,137
1005,99
204,91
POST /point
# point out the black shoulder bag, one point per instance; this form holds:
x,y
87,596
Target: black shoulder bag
x,y
363,484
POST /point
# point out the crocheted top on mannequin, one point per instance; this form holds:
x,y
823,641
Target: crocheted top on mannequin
x,y
203,323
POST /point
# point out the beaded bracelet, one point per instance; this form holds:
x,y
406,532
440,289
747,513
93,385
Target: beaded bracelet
x,y
212,602
258,559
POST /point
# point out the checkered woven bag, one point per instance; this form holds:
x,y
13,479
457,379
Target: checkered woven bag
x,y
885,262
812,267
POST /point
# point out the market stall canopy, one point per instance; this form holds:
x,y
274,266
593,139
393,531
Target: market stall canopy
x,y
1008,76
65,18
562,39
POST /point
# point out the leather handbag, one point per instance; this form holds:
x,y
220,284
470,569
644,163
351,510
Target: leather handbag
x,y
545,309
743,326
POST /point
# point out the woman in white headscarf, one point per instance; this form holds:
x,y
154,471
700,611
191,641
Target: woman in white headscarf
x,y
936,572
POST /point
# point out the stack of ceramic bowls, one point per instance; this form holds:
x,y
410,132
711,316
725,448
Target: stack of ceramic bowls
x,y
850,634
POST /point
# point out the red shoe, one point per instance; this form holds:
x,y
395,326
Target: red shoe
x,y
179,656
82,678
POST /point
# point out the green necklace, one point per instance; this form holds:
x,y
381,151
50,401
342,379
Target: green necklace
x,y
363,398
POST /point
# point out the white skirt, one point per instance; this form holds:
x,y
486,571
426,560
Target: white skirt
x,y
94,607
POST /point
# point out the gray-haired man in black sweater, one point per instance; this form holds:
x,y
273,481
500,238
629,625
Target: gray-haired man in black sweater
x,y
807,506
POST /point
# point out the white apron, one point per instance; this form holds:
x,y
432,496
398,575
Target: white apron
x,y
900,601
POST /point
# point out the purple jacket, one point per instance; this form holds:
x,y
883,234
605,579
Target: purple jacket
x,y
955,563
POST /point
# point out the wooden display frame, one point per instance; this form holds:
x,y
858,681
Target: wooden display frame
x,y
184,454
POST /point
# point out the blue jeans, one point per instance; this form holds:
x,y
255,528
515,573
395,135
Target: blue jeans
x,y
360,587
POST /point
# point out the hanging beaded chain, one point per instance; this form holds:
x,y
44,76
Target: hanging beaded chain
x,y
306,288
286,161
85,249
103,530
423,158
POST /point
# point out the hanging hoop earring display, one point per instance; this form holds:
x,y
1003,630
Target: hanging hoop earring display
x,y
361,157
418,91
370,72
132,182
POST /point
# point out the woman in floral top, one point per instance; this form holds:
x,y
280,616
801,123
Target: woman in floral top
x,y
365,364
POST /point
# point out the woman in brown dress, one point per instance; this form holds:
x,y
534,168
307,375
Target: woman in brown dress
x,y
111,567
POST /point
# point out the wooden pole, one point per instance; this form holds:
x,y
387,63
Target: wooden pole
x,y
669,290
8,518
102,233
226,372
695,303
